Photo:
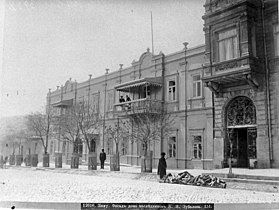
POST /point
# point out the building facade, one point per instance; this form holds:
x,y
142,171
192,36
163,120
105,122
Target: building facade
x,y
241,69
160,80
223,95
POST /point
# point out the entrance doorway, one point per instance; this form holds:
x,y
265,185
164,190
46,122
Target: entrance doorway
x,y
238,150
242,132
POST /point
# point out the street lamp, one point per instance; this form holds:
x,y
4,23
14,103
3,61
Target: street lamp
x,y
104,121
185,52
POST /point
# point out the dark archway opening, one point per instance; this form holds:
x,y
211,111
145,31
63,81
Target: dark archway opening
x,y
240,145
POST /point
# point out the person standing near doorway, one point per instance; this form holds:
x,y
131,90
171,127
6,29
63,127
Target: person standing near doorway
x,y
162,166
102,158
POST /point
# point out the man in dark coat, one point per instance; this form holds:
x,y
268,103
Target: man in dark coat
x,y
102,158
162,166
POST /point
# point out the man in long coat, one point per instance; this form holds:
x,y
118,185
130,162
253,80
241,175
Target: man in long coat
x,y
162,166
102,158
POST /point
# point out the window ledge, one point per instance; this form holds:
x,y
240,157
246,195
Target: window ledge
x,y
196,159
250,56
196,98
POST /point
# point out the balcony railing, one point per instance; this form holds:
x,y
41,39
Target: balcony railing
x,y
143,105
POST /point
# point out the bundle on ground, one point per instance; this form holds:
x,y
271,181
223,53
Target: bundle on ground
x,y
188,179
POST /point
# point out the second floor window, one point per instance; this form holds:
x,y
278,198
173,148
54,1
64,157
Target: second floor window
x,y
197,84
227,44
171,91
146,92
276,39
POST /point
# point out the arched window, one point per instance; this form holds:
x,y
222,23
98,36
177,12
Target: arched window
x,y
241,111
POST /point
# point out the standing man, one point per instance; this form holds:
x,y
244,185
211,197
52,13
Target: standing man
x,y
162,166
102,158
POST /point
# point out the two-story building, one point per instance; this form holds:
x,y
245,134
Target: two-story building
x,y
223,95
156,80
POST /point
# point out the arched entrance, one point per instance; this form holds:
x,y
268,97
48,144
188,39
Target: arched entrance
x,y
241,132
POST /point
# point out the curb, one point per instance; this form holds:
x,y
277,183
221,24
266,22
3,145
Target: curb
x,y
240,178
251,181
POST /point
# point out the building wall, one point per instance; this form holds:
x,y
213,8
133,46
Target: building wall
x,y
202,117
271,20
252,19
172,68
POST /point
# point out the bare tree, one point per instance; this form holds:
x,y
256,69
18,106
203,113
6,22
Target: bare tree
x,y
149,124
69,127
117,132
39,125
88,121
79,122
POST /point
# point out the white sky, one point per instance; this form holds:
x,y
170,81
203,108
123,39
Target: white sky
x,y
45,42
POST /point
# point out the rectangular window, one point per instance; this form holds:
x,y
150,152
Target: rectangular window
x,y
197,147
197,84
276,39
146,92
124,146
227,44
172,147
81,100
171,91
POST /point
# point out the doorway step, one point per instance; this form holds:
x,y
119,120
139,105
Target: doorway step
x,y
244,178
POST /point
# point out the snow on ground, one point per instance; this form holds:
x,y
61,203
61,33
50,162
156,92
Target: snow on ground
x,y
31,185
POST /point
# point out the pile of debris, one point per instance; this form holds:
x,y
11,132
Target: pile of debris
x,y
188,179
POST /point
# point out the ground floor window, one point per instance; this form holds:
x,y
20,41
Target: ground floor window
x,y
172,147
124,145
197,147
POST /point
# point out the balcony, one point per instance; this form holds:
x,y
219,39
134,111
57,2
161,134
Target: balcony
x,y
146,95
63,103
143,105
235,72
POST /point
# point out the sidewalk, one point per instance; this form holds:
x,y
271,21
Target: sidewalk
x,y
126,168
259,176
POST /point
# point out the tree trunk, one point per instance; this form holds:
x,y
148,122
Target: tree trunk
x,y
146,162
19,160
34,160
75,160
92,161
28,160
58,160
45,160
12,160
114,162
